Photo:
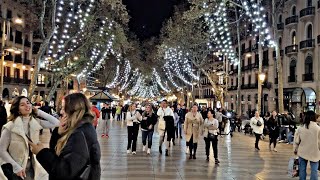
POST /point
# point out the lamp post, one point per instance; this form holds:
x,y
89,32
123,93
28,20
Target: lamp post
x,y
3,50
262,77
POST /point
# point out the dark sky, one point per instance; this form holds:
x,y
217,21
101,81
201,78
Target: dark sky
x,y
147,16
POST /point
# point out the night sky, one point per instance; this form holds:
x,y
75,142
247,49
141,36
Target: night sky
x,y
147,16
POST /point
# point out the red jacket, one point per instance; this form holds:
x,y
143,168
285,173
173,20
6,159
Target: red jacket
x,y
96,114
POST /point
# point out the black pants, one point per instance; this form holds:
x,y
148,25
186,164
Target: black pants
x,y
170,129
214,147
258,136
273,138
133,136
192,146
221,128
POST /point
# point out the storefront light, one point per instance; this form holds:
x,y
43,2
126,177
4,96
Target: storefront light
x,y
14,65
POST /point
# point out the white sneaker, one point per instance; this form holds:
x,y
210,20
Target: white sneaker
x,y
148,151
134,153
144,148
275,150
128,151
187,150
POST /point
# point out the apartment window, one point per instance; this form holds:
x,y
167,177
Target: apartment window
x,y
280,42
249,60
231,81
9,14
16,73
308,65
293,65
309,3
249,79
280,19
309,31
250,44
293,11
40,79
242,97
249,97
25,74
293,38
242,80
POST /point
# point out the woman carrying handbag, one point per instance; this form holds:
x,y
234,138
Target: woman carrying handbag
x,y
257,125
211,127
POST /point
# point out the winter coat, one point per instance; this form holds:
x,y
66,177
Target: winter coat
x,y
151,120
253,123
74,156
307,142
193,126
96,114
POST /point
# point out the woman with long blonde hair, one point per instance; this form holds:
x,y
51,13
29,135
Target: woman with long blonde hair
x,y
22,126
133,118
74,150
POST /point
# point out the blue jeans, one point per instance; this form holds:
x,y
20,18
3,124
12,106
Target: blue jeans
x,y
303,169
145,135
179,128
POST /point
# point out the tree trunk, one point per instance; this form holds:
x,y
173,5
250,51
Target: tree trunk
x,y
53,89
278,59
217,91
260,51
238,99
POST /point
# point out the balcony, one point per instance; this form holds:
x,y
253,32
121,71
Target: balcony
x,y
7,79
293,49
280,26
232,88
292,79
255,47
25,81
307,77
307,44
281,53
247,50
255,65
307,13
16,80
245,86
265,62
18,41
27,43
18,59
291,21
209,96
253,86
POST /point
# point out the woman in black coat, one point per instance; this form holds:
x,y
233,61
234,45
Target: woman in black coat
x,y
274,130
74,145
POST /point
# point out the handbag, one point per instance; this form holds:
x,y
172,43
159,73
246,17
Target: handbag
x,y
8,172
212,136
259,123
84,175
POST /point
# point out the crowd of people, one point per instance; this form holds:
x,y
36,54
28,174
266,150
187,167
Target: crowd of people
x,y
74,150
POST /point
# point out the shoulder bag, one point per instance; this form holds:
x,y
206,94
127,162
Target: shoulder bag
x,y
85,173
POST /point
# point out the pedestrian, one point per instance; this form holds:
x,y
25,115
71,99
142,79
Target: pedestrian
x,y
118,112
204,112
114,110
176,120
96,113
257,126
211,127
3,115
193,129
307,146
274,130
181,114
47,109
149,120
74,151
21,127
106,120
220,116
166,124
133,122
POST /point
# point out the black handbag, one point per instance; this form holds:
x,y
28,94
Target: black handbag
x,y
8,172
259,123
212,136
85,173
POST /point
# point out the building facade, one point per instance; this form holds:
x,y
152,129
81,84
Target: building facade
x,y
298,28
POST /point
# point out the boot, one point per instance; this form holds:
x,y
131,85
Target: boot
x,y
195,150
167,152
160,150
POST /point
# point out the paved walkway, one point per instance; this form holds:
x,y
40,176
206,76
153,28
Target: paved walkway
x,y
237,156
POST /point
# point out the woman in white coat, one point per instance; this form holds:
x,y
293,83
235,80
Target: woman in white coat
x,y
21,128
257,126
133,118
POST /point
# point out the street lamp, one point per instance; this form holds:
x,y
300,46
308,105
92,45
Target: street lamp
x,y
262,77
3,50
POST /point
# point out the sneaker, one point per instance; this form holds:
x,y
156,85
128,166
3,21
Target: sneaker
x,y
148,151
217,161
128,151
194,157
257,149
167,152
190,157
102,135
134,153
275,150
144,148
208,158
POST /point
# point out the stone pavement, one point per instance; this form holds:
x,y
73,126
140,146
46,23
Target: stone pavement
x,y
238,159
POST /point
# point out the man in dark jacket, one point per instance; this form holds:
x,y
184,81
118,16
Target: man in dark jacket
x,y
181,113
47,109
3,115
